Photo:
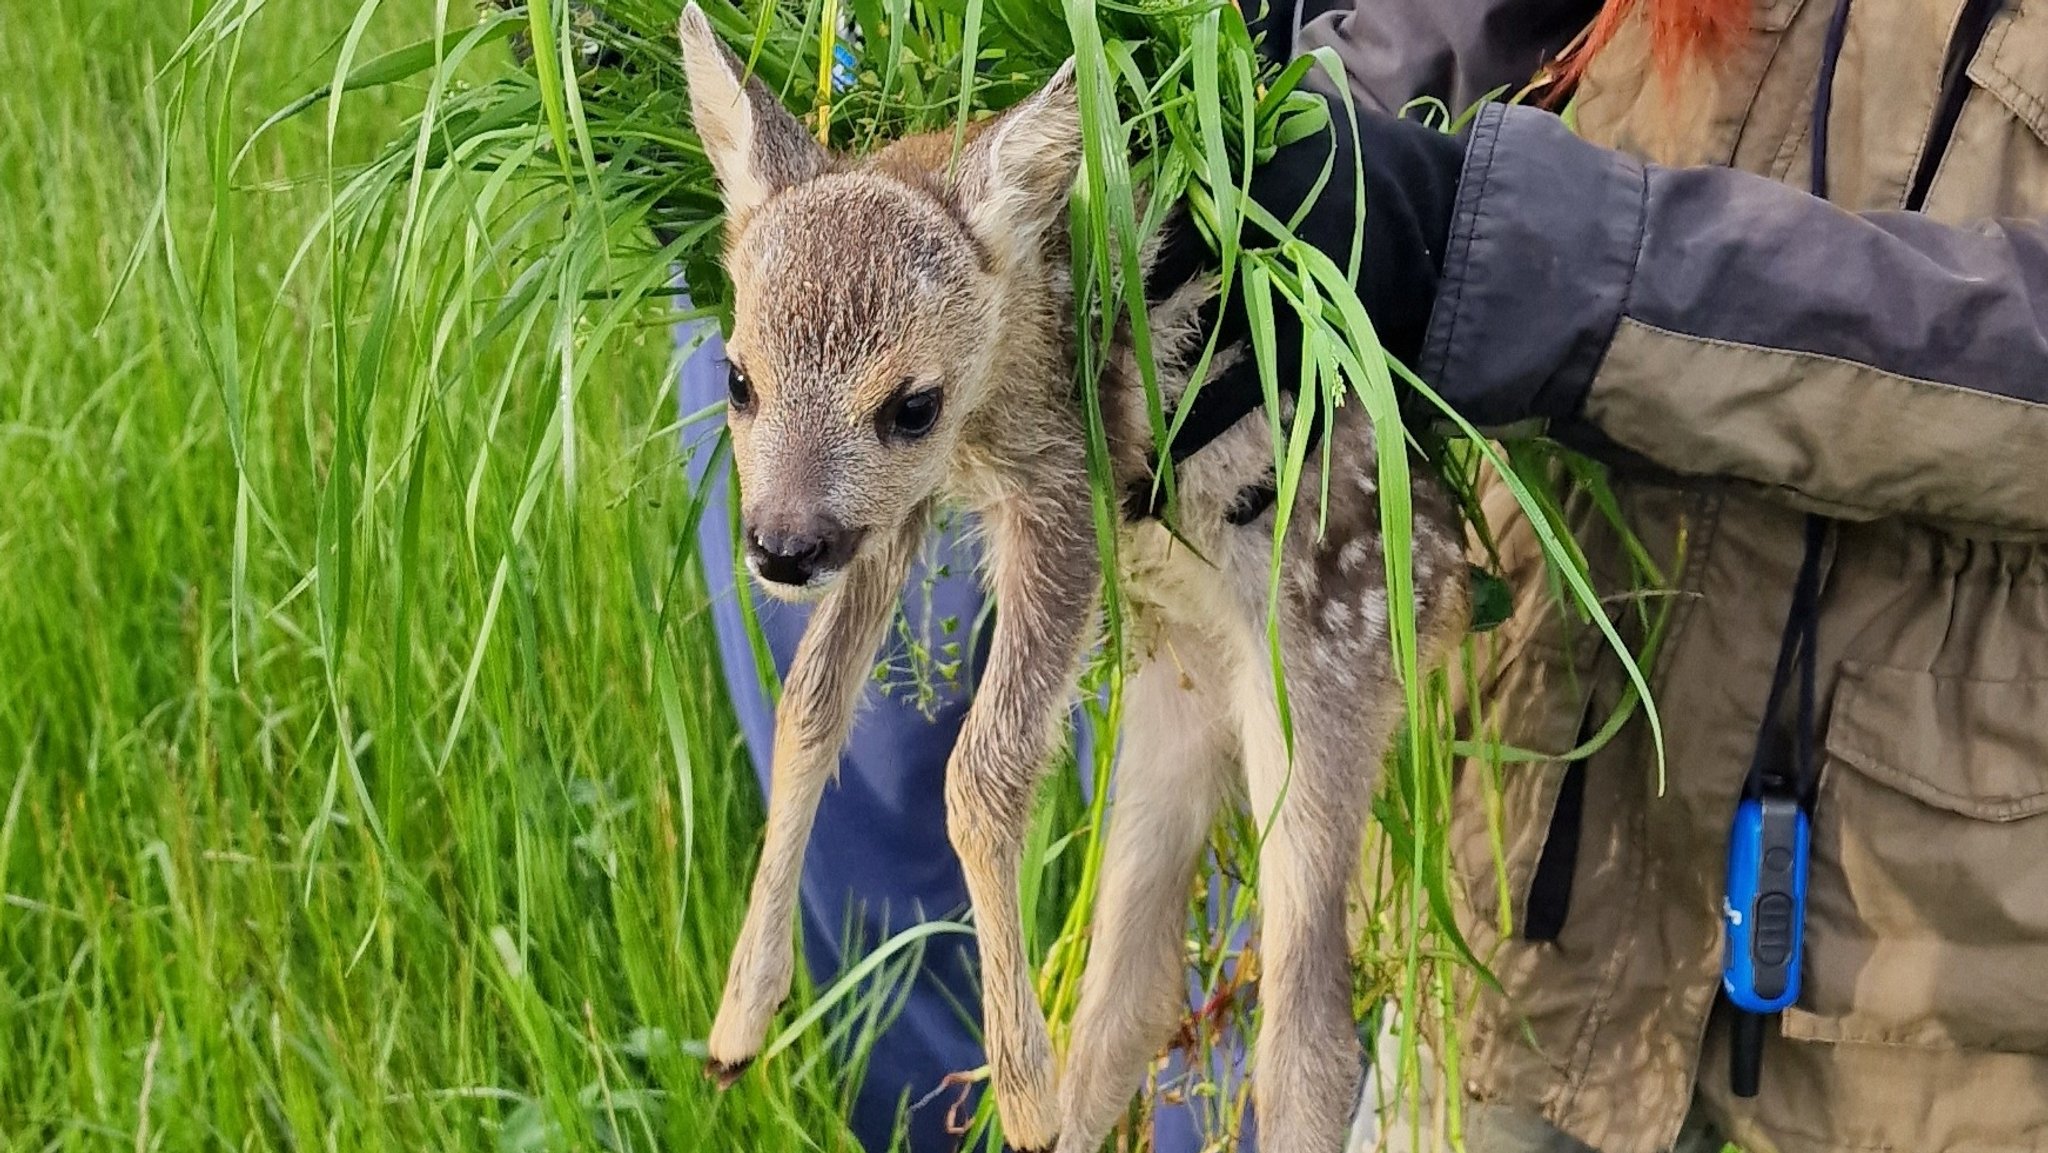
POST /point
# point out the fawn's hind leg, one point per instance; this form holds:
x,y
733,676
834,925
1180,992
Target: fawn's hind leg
x,y
1312,807
1346,703
1174,751
1311,810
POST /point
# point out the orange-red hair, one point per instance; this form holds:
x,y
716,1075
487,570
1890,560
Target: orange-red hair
x,y
1681,31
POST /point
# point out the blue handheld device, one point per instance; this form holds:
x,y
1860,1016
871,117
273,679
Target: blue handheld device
x,y
1766,904
1765,911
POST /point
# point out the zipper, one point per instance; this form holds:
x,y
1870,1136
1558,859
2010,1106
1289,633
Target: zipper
x,y
1971,28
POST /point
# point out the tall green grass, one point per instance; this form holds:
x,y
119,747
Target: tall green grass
x,y
370,784
363,780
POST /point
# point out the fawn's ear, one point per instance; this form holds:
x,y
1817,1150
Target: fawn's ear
x,y
1015,176
756,147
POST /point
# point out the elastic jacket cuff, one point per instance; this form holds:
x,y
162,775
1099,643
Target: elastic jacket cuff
x,y
1543,246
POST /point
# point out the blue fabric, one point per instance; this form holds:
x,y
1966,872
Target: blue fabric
x,y
879,861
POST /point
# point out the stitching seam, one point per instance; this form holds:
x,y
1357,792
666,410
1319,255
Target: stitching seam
x,y
1468,237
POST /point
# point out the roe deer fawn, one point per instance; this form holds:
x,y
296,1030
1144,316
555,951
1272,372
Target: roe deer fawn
x,y
903,336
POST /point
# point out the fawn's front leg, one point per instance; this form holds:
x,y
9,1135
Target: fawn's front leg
x,y
811,722
1044,577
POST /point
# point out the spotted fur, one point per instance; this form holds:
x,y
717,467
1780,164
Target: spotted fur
x,y
853,276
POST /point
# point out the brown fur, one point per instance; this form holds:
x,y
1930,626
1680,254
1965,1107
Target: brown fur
x,y
854,276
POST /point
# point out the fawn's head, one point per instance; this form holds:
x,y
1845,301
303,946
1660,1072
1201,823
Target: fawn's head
x,y
871,303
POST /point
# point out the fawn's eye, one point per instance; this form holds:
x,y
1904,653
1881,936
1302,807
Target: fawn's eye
x,y
739,391
910,415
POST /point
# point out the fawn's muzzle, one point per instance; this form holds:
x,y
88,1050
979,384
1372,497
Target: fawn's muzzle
x,y
796,557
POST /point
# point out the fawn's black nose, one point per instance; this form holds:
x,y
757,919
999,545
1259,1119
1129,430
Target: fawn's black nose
x,y
796,556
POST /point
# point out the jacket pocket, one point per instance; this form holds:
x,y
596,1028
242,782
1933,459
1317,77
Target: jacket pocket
x,y
1535,682
1927,917
1507,843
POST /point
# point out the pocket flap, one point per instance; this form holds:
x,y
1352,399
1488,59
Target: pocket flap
x,y
1973,747
2013,65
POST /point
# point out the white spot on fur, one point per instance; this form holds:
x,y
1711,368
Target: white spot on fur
x,y
1354,556
1376,615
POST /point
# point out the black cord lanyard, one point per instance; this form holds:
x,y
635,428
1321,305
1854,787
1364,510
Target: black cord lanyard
x,y
1797,646
1796,657
1765,904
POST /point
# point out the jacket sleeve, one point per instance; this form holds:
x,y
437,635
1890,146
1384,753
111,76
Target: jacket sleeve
x,y
1717,324
1457,51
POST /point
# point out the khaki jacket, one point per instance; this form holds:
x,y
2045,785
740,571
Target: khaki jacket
x,y
1746,354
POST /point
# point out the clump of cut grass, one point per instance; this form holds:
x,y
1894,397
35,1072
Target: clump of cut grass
x,y
482,271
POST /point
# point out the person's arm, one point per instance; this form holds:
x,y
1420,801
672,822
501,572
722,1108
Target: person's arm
x,y
1718,324
1393,52
1709,322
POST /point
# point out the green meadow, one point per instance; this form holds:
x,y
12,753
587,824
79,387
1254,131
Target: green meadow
x,y
364,782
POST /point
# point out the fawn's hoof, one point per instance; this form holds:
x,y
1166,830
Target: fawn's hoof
x,y
723,1074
